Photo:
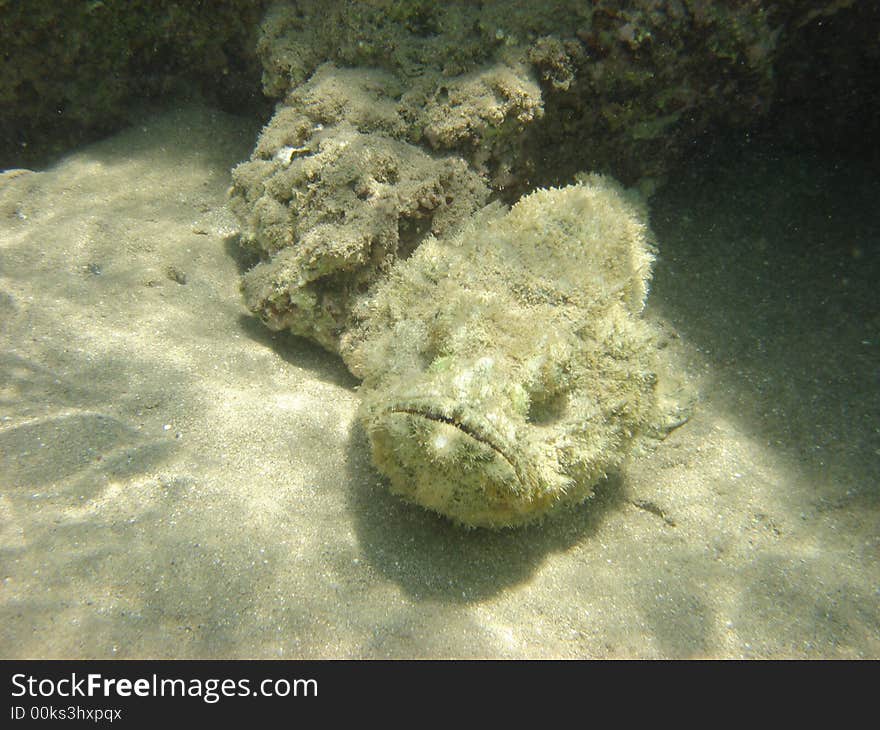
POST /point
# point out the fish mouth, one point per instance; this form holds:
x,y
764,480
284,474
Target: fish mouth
x,y
467,421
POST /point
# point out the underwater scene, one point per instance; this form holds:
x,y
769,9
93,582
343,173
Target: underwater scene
x,y
399,329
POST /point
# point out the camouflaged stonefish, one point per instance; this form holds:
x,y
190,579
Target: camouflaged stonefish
x,y
506,369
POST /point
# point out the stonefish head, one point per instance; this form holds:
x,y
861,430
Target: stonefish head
x,y
507,369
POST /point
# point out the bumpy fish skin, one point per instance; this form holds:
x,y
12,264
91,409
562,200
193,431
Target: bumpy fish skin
x,y
507,369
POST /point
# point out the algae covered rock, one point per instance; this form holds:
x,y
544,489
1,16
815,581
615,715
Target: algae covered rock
x,y
629,87
506,369
334,195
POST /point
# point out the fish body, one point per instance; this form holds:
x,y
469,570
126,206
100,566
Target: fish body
x,y
506,369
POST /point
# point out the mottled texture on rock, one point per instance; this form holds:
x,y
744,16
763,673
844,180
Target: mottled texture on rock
x,y
469,105
628,86
482,116
333,196
406,37
506,370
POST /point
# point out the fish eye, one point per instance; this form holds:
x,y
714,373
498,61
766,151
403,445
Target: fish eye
x,y
547,407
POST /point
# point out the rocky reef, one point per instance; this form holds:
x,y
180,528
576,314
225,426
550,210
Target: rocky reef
x,y
626,87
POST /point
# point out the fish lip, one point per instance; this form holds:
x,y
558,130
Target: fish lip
x,y
463,418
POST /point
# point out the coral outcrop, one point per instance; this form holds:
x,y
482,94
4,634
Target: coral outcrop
x,y
628,87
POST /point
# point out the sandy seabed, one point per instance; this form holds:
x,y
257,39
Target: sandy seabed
x,y
176,481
